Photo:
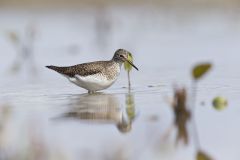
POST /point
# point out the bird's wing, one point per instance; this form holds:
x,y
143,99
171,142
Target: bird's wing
x,y
83,69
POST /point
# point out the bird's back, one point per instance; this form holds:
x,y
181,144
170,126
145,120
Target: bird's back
x,y
83,69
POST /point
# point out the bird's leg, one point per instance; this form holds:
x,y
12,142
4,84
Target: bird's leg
x,y
91,92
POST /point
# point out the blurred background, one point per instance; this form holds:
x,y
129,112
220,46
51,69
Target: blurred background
x,y
45,117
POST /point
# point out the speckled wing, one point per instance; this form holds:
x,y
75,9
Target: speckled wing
x,y
83,69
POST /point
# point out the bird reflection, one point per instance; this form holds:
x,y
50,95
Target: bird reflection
x,y
100,108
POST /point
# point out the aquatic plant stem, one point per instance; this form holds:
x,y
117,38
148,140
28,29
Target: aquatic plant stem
x,y
193,106
129,81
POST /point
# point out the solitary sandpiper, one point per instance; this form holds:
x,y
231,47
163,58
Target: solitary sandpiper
x,y
98,75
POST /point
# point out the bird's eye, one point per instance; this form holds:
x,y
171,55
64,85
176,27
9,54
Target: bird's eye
x,y
121,56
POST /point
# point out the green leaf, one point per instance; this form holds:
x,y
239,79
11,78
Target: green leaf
x,y
200,70
219,103
127,66
202,156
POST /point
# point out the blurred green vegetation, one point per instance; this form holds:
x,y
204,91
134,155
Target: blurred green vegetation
x,y
24,48
220,103
184,111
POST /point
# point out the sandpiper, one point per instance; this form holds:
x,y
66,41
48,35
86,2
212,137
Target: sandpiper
x,y
95,76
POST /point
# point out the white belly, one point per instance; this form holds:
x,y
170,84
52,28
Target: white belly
x,y
93,82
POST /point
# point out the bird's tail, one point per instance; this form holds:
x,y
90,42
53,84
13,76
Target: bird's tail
x,y
52,67
57,69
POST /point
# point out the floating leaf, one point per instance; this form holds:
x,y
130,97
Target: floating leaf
x,y
200,69
127,66
219,103
202,156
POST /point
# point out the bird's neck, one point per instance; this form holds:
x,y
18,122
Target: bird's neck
x,y
118,61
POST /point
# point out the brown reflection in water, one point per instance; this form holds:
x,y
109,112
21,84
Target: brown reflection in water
x,y
182,114
100,108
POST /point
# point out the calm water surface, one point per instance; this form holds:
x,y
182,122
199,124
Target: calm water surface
x,y
117,124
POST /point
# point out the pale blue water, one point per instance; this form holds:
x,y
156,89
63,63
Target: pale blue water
x,y
165,46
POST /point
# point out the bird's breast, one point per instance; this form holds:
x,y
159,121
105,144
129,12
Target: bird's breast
x,y
93,82
112,72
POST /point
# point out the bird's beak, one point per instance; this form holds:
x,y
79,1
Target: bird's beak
x,y
131,63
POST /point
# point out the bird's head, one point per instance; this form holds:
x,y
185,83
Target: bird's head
x,y
121,55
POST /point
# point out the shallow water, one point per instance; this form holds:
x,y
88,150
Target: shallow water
x,y
116,124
